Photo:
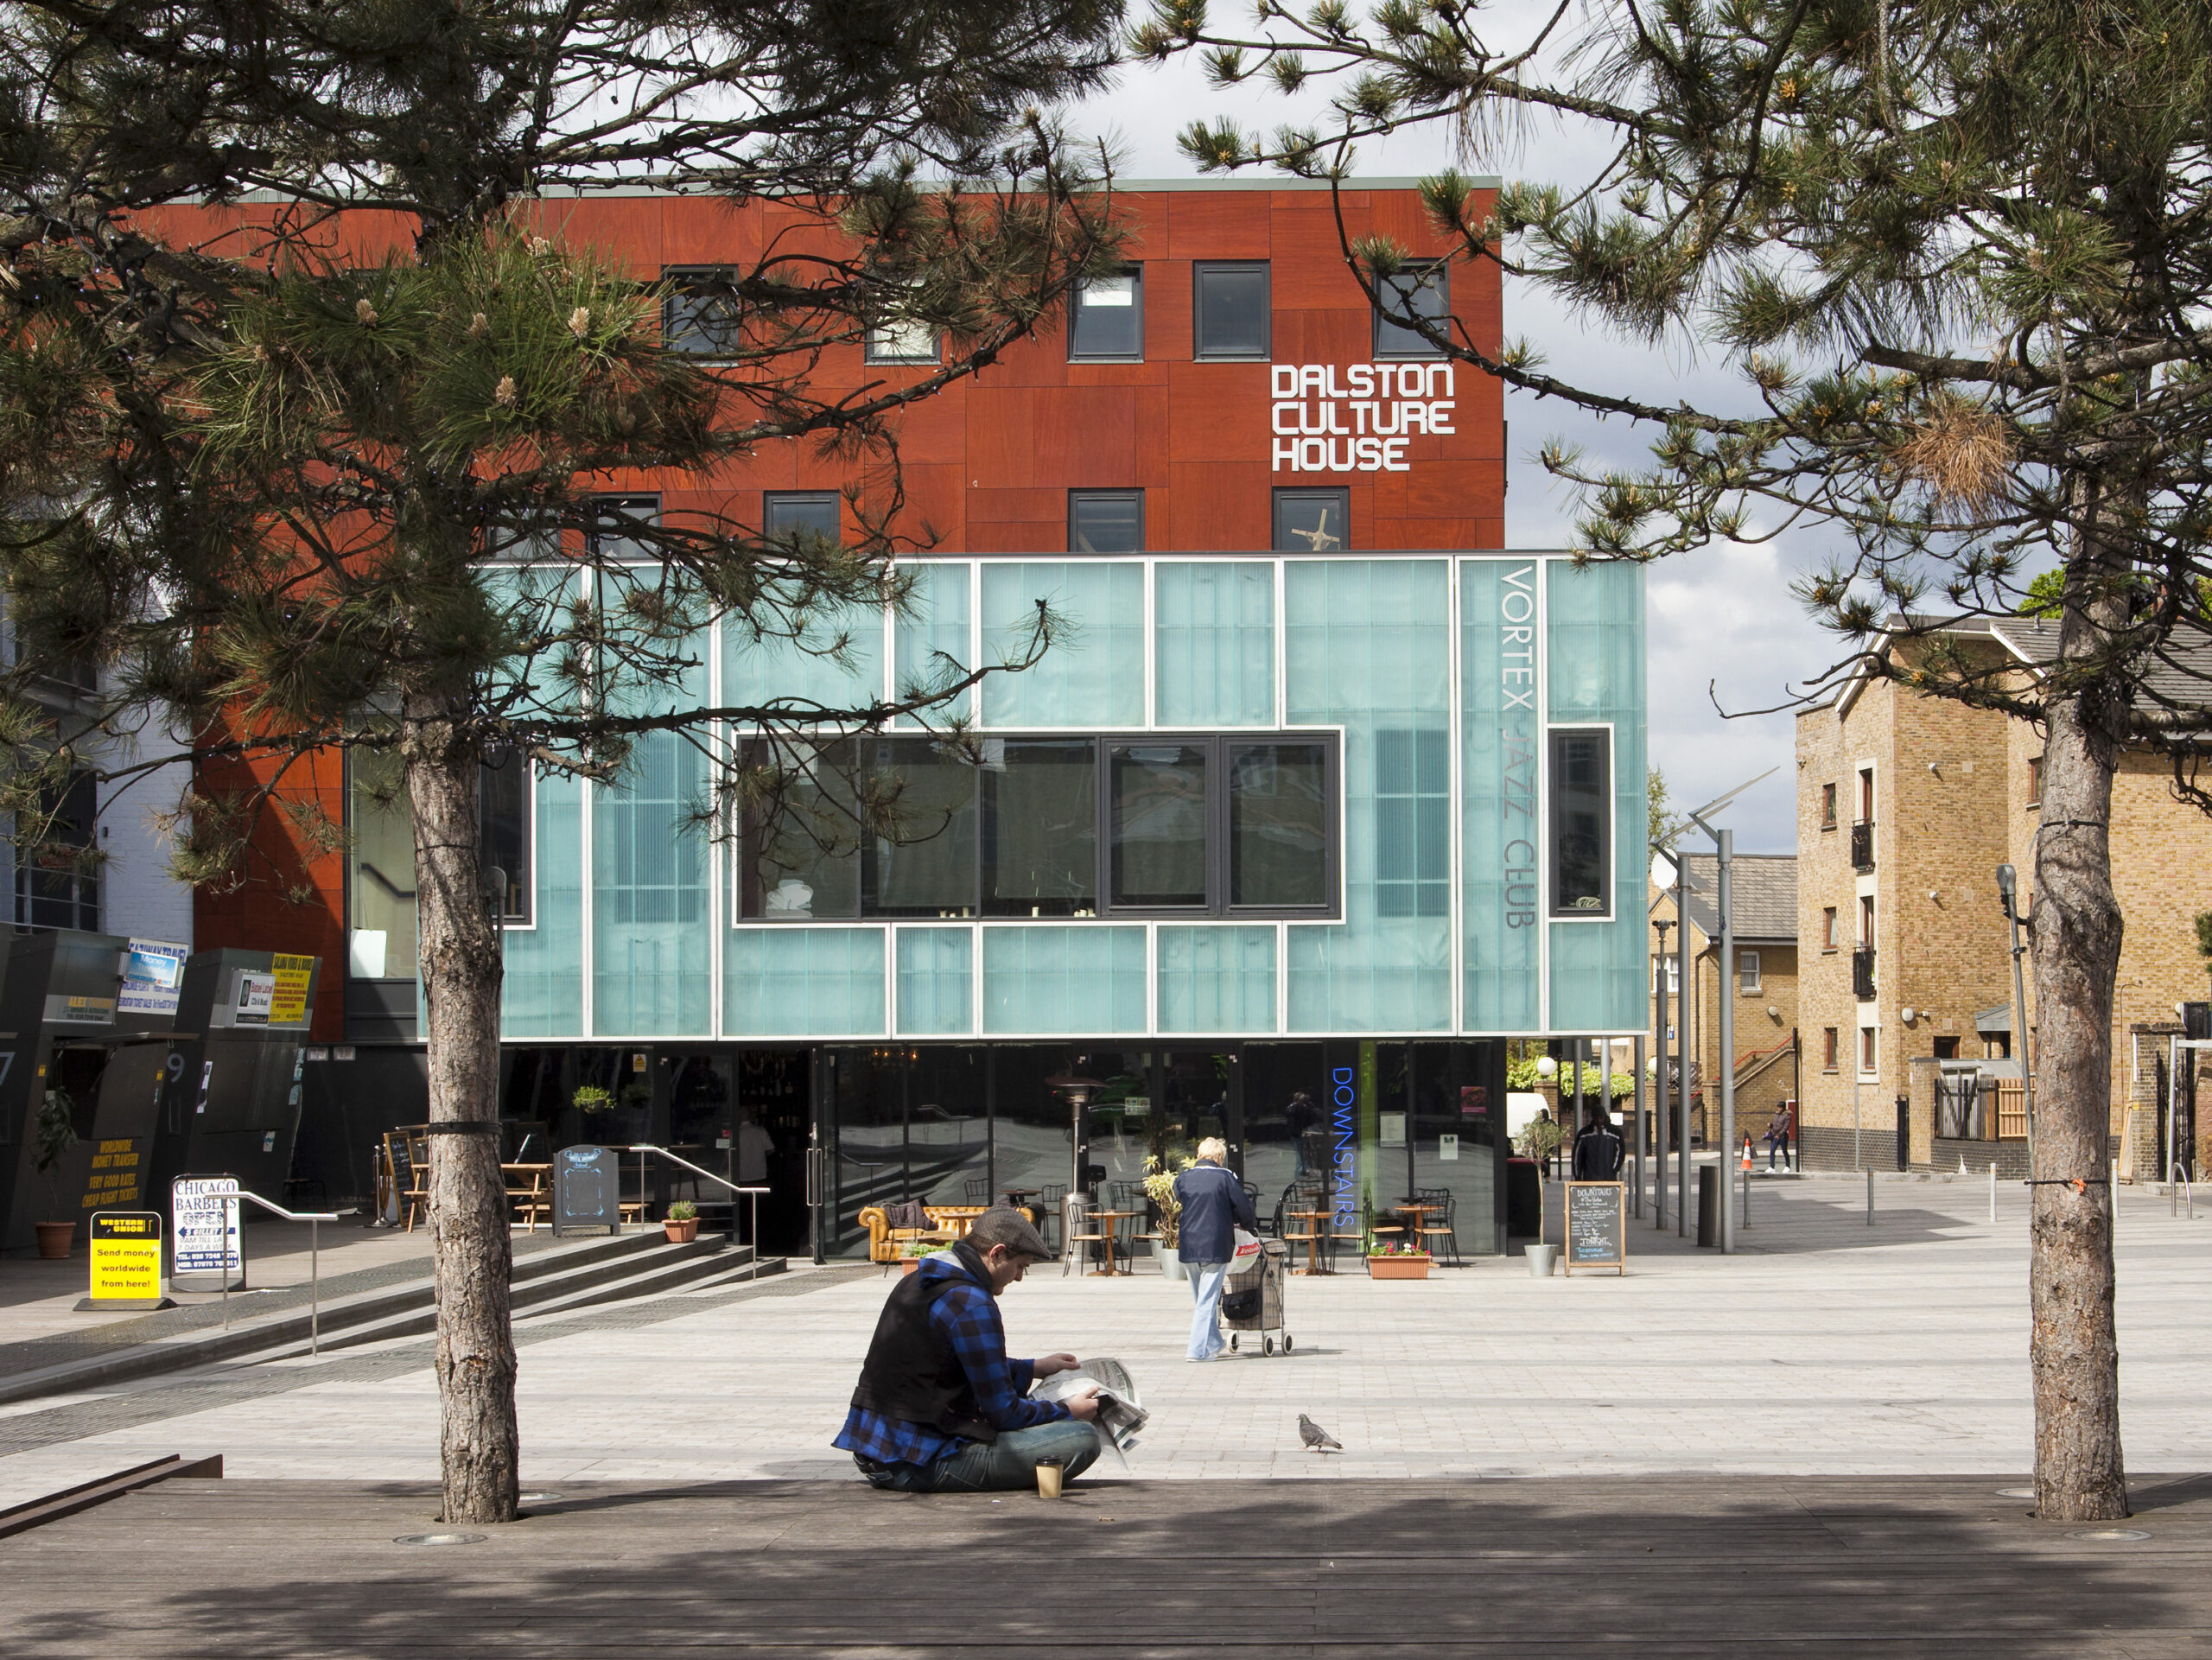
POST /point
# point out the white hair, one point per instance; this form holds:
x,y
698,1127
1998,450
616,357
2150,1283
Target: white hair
x,y
1213,1147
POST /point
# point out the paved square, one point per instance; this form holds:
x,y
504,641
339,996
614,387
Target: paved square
x,y
1826,1348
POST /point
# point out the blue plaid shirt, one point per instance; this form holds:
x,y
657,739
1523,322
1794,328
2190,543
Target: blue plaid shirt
x,y
967,1316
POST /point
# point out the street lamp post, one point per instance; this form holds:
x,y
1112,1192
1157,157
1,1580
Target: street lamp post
x,y
1659,1031
2008,892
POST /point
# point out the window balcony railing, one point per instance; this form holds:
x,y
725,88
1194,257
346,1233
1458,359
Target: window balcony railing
x,y
1862,845
1862,972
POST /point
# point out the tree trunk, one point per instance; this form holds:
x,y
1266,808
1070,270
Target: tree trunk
x,y
472,1252
2073,1350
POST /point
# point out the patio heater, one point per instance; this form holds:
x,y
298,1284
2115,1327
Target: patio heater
x,y
1077,1090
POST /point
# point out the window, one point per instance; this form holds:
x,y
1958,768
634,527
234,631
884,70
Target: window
x,y
1105,521
1865,1048
1672,968
929,870
1827,806
787,514
1229,310
1866,795
1582,822
699,314
1106,319
1040,828
2035,781
901,340
1050,827
1947,1048
1279,825
1426,293
617,522
1827,1048
1312,521
1866,922
57,883
381,904
1158,818
1747,972
1827,929
1412,807
503,797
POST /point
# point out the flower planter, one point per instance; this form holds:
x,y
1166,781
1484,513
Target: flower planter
x,y
1397,1268
682,1233
53,1240
1171,1260
907,1265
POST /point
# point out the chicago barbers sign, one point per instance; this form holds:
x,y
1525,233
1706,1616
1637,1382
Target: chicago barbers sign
x,y
1360,422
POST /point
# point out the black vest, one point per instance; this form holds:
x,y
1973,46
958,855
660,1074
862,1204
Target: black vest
x,y
913,1372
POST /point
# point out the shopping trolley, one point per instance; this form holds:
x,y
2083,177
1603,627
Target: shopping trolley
x,y
1251,1301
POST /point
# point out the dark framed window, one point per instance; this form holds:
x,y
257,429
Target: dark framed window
x,y
1231,311
1040,841
1424,293
1156,816
786,514
1827,1048
1827,806
1582,821
617,522
1312,521
56,884
503,798
902,339
699,315
1105,521
1106,319
1048,827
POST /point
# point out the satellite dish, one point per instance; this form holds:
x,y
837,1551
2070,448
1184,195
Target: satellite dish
x,y
1662,871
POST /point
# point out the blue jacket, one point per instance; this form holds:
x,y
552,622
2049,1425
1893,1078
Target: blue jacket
x,y
1211,1199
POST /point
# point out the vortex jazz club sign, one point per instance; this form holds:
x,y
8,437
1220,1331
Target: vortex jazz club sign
x,y
1357,418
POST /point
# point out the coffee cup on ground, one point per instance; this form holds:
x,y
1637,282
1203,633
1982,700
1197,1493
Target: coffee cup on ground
x,y
1048,1478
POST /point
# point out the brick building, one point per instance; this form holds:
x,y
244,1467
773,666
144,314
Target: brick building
x,y
1907,805
1764,986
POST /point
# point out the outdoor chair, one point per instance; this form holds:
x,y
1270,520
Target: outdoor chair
x,y
1084,1231
1051,1199
978,1190
1435,1232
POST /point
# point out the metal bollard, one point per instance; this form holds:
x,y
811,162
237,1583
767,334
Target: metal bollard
x,y
1870,1196
1747,1197
1992,1188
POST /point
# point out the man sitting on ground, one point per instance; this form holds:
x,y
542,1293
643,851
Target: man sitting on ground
x,y
940,1408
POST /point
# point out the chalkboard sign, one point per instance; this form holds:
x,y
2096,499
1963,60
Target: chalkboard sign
x,y
1597,1230
587,1190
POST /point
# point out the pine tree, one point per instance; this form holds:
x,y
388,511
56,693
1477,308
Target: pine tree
x,y
327,480
1956,249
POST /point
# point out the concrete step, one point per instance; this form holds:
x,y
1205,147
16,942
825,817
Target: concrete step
x,y
708,1259
553,1272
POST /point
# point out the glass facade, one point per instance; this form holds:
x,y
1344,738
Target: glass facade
x,y
1407,773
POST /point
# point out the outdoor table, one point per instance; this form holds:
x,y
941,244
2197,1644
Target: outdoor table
x,y
1113,1219
1418,1213
526,1186
1314,1237
1019,1198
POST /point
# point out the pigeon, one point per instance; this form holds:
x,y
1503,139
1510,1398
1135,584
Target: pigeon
x,y
1316,1437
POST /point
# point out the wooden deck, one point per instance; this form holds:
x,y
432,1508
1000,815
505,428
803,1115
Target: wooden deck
x,y
1667,1567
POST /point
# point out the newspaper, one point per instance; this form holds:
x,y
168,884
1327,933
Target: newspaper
x,y
1121,1413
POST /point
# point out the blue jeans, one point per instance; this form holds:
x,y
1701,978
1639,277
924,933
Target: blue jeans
x,y
1206,1279
1004,1465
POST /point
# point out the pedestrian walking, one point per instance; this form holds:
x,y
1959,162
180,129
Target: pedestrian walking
x,y
1599,1151
1214,1204
1777,1135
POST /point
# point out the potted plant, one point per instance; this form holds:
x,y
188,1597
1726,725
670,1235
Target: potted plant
x,y
1160,1188
1395,1260
593,1104
910,1252
681,1225
57,1134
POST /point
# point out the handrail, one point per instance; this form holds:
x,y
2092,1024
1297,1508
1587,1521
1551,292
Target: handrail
x,y
314,1219
753,1268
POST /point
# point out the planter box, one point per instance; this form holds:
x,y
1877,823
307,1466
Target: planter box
x,y
907,1265
1397,1268
1171,1264
681,1232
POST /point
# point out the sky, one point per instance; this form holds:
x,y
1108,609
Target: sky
x,y
1726,634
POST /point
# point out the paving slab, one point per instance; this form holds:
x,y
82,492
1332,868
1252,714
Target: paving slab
x,y
1673,1567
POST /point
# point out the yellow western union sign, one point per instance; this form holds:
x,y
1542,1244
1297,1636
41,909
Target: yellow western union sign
x,y
126,1258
